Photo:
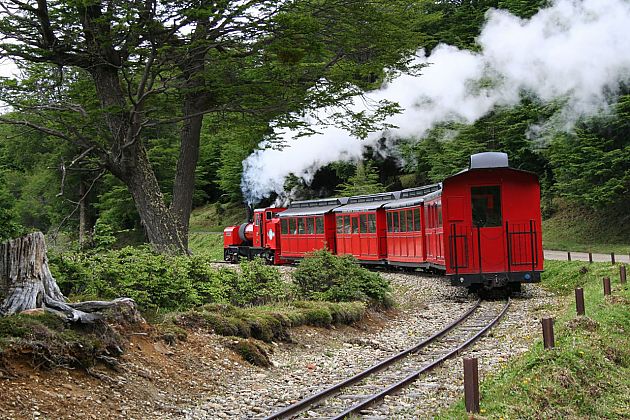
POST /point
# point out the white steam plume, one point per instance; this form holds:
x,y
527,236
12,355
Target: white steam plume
x,y
574,49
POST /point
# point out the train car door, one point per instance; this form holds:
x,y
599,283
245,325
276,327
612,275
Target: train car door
x,y
488,229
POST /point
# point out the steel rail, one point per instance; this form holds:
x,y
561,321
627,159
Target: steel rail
x,y
395,387
305,403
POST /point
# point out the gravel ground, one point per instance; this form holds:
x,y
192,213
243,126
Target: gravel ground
x,y
320,357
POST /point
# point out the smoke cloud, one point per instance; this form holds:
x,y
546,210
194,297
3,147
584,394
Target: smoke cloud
x,y
575,50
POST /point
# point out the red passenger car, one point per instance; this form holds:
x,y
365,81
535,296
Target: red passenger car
x,y
361,228
492,224
405,230
307,226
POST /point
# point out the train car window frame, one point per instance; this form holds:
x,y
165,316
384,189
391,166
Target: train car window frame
x,y
403,221
363,223
346,225
339,220
371,223
292,226
417,223
319,225
396,220
284,226
300,227
409,217
310,226
390,221
485,203
355,224
439,214
269,215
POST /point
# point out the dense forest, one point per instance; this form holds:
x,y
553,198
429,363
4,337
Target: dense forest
x,y
129,116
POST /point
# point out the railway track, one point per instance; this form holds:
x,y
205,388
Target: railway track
x,y
367,388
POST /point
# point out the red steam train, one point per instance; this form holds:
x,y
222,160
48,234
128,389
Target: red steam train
x,y
481,227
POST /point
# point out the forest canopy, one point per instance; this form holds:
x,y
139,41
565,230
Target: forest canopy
x,y
130,114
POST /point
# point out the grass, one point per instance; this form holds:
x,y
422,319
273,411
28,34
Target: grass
x,y
587,374
215,217
573,228
210,244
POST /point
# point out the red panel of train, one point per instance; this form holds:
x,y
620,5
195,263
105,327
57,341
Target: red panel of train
x,y
481,227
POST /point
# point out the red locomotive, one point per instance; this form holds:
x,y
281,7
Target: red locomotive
x,y
481,227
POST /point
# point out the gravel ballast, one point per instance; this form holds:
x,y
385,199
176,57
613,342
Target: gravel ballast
x,y
321,357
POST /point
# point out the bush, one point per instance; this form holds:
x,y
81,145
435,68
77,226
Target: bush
x,y
159,282
324,276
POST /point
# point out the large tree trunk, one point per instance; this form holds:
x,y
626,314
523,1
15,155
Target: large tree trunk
x,y
158,220
27,283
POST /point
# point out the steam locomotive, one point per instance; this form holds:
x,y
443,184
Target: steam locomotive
x,y
481,227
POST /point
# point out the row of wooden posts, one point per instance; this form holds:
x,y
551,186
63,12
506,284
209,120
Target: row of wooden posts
x,y
590,257
471,370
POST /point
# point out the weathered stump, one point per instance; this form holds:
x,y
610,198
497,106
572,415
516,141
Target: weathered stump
x,y
26,283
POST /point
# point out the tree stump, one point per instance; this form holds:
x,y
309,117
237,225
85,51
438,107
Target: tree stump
x,y
26,283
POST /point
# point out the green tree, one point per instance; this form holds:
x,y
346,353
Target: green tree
x,y
114,71
365,180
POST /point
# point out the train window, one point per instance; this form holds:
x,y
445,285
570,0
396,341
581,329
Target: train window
x,y
355,225
319,225
403,222
416,220
292,226
439,214
396,222
363,223
310,226
346,224
300,223
339,224
284,226
390,221
371,223
410,227
257,219
486,206
269,215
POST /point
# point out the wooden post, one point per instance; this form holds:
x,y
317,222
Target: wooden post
x,y
568,255
606,285
548,338
579,301
622,274
612,258
471,384
590,258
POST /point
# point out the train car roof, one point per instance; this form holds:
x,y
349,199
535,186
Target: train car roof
x,y
313,207
367,202
488,160
413,196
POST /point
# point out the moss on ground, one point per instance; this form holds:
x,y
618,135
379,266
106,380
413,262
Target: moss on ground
x,y
268,323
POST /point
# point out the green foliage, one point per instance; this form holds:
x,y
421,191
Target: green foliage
x,y
324,276
158,282
9,225
365,180
592,164
257,284
586,374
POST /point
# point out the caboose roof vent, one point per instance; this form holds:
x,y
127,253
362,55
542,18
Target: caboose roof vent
x,y
489,160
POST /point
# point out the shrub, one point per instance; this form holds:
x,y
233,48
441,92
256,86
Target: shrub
x,y
324,276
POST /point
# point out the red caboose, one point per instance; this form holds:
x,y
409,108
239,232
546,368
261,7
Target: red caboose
x,y
492,224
